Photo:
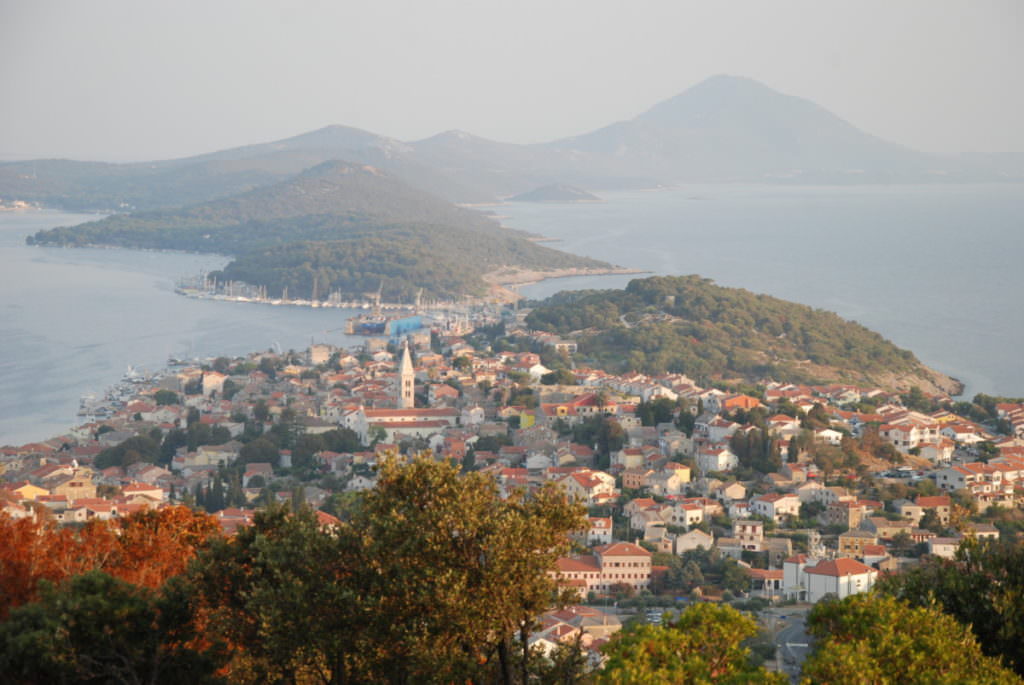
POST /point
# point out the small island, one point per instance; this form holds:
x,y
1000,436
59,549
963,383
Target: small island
x,y
556,193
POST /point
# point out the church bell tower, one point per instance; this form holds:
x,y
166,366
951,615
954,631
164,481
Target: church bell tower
x,y
406,381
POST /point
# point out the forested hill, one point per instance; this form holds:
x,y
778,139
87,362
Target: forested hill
x,y
340,226
361,194
688,324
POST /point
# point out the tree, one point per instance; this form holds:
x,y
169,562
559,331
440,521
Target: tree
x,y
260,450
869,638
287,429
428,578
704,645
165,397
259,587
659,410
982,587
215,499
611,436
174,439
145,549
260,410
692,576
229,389
559,377
96,628
918,401
341,440
441,542
930,521
135,449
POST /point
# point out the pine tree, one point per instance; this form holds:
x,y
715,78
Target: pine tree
x,y
215,498
299,498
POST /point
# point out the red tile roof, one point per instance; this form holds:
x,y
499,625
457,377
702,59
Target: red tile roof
x,y
839,567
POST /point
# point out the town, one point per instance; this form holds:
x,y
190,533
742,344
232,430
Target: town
x,y
759,494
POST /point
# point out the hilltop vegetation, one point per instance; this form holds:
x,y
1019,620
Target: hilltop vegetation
x,y
446,261
688,324
335,227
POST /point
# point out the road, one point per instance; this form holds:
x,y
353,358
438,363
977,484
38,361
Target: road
x,y
791,638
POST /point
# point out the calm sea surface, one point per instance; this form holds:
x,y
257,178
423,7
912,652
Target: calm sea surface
x,y
73,320
936,269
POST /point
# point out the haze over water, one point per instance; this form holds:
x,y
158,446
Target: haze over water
x,y
936,269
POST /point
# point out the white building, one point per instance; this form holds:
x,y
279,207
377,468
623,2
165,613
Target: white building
x,y
839,577
716,459
776,506
804,579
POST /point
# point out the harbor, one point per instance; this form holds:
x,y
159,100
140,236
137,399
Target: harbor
x,y
203,287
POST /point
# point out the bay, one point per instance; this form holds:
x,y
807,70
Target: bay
x,y
73,320
937,269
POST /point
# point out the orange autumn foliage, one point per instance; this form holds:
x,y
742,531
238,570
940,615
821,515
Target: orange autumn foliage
x,y
145,549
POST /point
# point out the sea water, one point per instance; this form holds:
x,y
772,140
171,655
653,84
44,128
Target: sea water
x,y
938,269
73,320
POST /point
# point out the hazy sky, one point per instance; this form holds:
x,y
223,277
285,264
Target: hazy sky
x,y
135,79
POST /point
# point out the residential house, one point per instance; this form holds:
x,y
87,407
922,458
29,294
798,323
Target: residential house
x,y
944,547
853,542
847,514
716,458
886,529
776,506
588,486
727,493
694,539
619,563
665,483
809,491
636,477
838,577
599,531
749,534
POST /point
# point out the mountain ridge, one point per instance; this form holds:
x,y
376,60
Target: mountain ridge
x,y
725,128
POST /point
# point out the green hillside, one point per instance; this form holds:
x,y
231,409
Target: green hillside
x,y
336,227
690,325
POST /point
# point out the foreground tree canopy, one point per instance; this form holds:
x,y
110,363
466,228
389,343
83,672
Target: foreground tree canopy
x,y
704,645
430,577
871,639
145,549
94,628
429,580
983,587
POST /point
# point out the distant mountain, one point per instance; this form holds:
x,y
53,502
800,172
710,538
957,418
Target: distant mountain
x,y
723,129
555,193
729,129
335,227
73,185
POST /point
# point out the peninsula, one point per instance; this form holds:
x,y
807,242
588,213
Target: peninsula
x,y
556,193
340,230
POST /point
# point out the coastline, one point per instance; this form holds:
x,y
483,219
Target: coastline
x,y
504,280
